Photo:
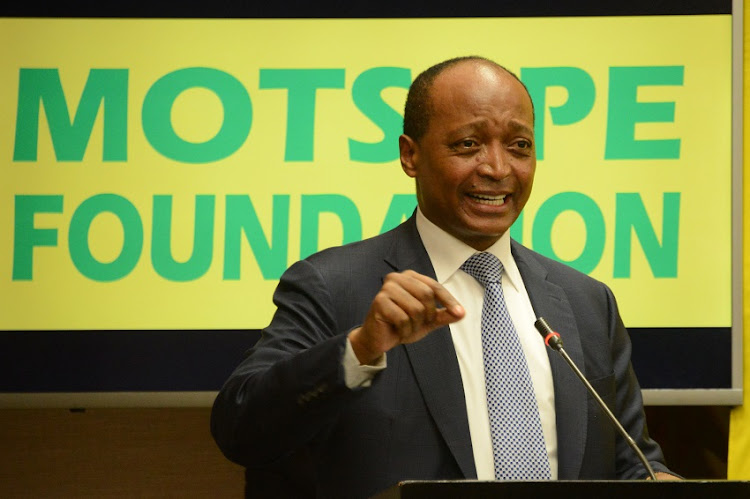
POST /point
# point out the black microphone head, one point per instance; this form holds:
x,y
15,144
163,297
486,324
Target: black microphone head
x,y
542,326
551,338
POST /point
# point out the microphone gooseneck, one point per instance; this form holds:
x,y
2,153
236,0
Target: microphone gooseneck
x,y
553,340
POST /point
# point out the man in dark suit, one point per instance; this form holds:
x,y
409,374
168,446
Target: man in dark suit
x,y
371,369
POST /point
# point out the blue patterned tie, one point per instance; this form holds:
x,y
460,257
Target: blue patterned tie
x,y
517,438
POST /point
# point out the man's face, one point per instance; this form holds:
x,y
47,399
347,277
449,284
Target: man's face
x,y
475,164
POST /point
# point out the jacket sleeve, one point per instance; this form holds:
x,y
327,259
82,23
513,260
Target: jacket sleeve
x,y
289,389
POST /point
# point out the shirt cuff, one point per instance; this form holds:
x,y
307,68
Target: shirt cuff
x,y
357,375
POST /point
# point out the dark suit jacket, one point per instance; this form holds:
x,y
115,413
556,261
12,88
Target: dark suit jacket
x,y
286,413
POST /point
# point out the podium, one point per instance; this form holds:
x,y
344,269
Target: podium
x,y
557,489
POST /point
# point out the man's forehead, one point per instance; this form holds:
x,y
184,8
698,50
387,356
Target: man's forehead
x,y
468,82
469,70
469,77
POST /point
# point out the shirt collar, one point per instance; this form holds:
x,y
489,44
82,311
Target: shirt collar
x,y
447,253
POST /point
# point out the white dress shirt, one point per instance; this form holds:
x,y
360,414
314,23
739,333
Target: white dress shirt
x,y
447,255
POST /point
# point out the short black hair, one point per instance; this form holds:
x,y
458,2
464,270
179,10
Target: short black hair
x,y
418,108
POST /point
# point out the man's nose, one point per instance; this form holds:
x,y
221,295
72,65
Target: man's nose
x,y
496,162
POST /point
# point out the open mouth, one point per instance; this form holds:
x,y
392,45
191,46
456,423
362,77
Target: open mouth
x,y
488,200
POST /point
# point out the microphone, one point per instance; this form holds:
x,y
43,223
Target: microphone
x,y
553,340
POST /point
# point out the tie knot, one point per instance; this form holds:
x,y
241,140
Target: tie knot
x,y
484,267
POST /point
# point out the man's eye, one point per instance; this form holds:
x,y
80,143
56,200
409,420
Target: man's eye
x,y
467,143
524,144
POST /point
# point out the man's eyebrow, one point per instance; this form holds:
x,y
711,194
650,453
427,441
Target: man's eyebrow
x,y
515,126
521,127
470,127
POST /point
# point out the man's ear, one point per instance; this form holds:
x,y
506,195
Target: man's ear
x,y
408,153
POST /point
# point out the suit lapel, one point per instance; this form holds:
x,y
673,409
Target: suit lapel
x,y
550,301
434,360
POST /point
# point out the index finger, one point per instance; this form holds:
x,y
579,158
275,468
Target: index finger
x,y
443,296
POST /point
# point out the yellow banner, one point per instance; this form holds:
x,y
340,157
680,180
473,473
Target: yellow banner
x,y
738,454
164,173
